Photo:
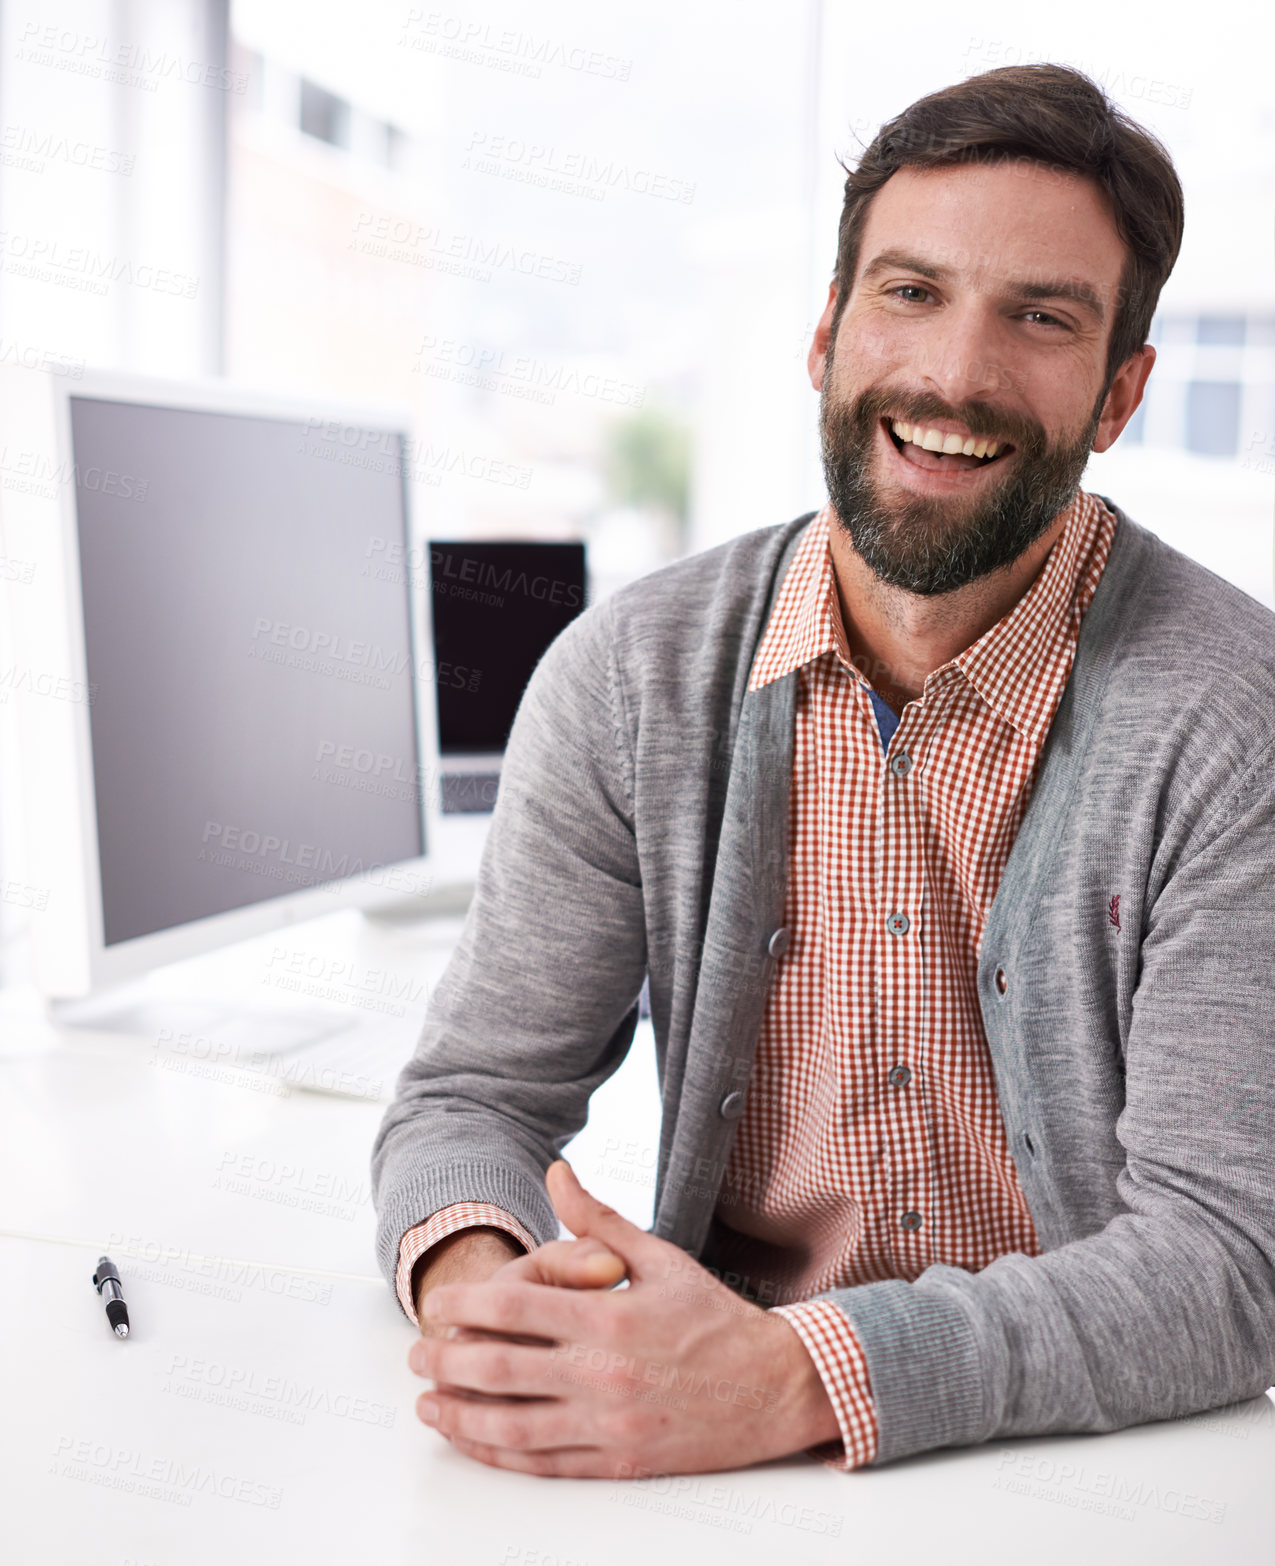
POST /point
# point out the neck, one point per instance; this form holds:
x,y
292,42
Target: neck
x,y
898,638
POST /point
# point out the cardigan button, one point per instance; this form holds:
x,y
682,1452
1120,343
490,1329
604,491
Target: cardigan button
x,y
778,943
732,1106
1002,983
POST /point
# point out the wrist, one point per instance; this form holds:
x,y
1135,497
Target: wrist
x,y
468,1256
809,1418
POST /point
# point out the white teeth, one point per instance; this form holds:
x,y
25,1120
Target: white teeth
x,y
950,445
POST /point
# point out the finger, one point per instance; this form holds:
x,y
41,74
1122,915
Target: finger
x,y
569,1264
584,1215
436,1329
431,1327
422,1357
534,1425
518,1309
566,1462
494,1366
482,1335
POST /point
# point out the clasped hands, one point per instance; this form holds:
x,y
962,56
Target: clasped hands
x,y
547,1368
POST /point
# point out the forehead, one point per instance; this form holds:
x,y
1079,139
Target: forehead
x,y
991,224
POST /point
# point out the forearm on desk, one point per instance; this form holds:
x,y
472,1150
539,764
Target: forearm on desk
x,y
538,1005
422,1237
824,1331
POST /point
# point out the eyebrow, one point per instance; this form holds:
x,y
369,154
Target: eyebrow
x,y
1051,288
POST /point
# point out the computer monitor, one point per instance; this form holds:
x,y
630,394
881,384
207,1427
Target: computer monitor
x,y
226,718
495,609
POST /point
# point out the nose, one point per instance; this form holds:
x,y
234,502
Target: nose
x,y
964,356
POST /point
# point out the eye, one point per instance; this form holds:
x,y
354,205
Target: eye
x,y
1051,320
913,287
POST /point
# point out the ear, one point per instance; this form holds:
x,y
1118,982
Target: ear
x,y
816,359
1124,397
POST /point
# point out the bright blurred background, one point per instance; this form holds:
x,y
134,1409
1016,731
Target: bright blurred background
x,y
585,245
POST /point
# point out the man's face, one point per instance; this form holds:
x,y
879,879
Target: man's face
x,y
982,307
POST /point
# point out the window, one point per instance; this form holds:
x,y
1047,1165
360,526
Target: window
x,y
1213,417
1221,331
324,115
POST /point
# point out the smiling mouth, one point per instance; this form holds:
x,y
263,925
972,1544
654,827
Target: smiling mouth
x,y
934,449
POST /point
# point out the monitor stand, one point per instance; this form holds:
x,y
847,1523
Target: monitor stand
x,y
275,1049
211,1015
227,1029
444,903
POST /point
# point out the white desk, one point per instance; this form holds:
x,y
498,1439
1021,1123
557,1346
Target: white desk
x,y
261,1410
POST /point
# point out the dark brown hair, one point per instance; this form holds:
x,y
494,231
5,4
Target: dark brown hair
x,y
1047,115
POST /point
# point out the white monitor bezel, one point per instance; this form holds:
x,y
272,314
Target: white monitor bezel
x,y
70,957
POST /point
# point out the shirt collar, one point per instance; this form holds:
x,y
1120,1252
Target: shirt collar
x,y
1021,664
1018,666
806,619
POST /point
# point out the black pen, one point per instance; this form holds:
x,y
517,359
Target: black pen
x,y
106,1280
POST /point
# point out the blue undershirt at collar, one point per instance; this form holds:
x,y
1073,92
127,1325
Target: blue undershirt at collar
x,y
887,719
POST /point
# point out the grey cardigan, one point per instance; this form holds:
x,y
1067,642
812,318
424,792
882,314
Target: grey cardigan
x,y
641,824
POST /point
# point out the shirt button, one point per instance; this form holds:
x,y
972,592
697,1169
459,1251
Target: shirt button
x,y
778,943
731,1107
898,924
899,1076
911,1222
1002,983
901,764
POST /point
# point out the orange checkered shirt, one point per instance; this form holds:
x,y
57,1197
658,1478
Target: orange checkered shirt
x,y
871,1144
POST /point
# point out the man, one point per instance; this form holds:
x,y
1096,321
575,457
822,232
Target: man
x,y
942,824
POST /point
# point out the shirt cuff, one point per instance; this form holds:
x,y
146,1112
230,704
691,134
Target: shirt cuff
x,y
448,1220
831,1342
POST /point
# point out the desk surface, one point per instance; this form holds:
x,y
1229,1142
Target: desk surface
x,y
262,1407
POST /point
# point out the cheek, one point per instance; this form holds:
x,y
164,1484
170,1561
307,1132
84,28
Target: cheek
x,y
864,349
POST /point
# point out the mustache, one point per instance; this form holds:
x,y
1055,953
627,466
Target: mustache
x,y
980,418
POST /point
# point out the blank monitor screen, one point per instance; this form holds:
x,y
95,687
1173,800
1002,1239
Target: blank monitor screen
x,y
496,608
252,706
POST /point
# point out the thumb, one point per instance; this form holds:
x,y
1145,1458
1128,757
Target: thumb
x,y
568,1264
585,1215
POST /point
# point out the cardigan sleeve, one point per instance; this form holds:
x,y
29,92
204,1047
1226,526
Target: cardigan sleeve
x,y
1168,1309
539,1002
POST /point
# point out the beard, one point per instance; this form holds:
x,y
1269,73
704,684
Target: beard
x,y
936,544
